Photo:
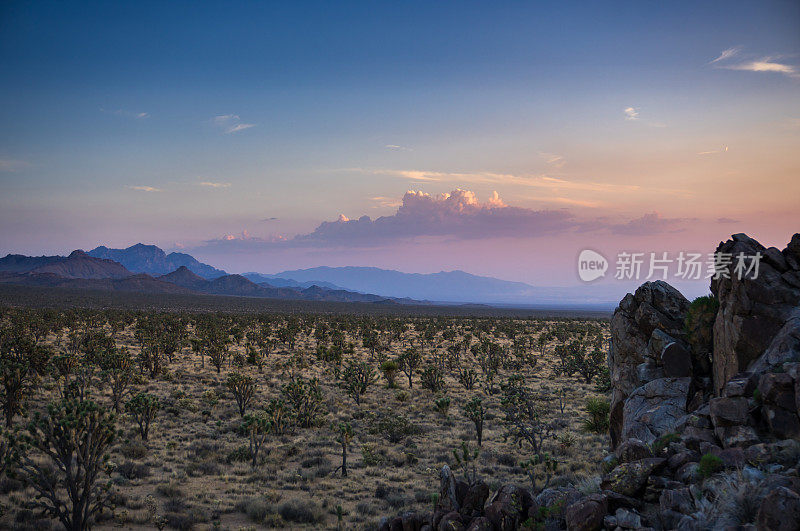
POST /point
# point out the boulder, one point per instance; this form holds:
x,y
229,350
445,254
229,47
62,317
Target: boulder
x,y
448,498
654,409
451,521
628,519
678,500
480,524
655,308
742,384
737,436
752,310
688,473
632,450
587,514
474,500
780,511
728,411
777,389
509,507
630,479
617,500
694,437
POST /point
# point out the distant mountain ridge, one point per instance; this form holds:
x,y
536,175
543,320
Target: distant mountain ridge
x,y
448,286
150,259
82,271
77,265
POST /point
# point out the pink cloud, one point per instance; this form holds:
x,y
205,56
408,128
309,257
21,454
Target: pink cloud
x,y
456,214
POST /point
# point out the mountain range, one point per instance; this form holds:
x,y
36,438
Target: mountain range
x,y
152,260
148,268
83,271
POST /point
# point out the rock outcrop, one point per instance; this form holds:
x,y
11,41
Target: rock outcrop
x,y
644,325
756,312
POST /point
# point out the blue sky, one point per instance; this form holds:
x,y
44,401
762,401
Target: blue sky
x,y
228,128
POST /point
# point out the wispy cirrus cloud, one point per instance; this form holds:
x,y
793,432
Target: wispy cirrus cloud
x,y
554,160
726,54
724,149
209,184
231,123
733,59
126,114
143,188
396,147
554,185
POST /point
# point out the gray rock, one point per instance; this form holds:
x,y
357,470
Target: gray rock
x,y
654,409
737,436
628,519
633,450
752,313
780,511
728,411
654,306
742,384
688,473
587,514
630,479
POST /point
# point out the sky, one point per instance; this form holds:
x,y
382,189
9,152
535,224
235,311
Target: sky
x,y
499,138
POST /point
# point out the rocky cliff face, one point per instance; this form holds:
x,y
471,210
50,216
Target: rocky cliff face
x,y
756,315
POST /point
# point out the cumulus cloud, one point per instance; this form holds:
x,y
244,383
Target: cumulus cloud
x,y
631,113
143,188
456,214
231,123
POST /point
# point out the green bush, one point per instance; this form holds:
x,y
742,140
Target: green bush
x,y
598,409
709,465
394,428
664,441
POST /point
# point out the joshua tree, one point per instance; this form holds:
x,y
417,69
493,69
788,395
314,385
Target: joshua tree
x,y
523,417
74,437
410,361
475,412
432,378
305,399
243,388
143,408
257,427
389,369
468,378
21,362
117,369
344,434
357,377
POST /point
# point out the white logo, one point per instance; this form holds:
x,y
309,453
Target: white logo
x,y
591,265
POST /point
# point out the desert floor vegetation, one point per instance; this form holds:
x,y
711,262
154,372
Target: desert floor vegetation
x,y
240,421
